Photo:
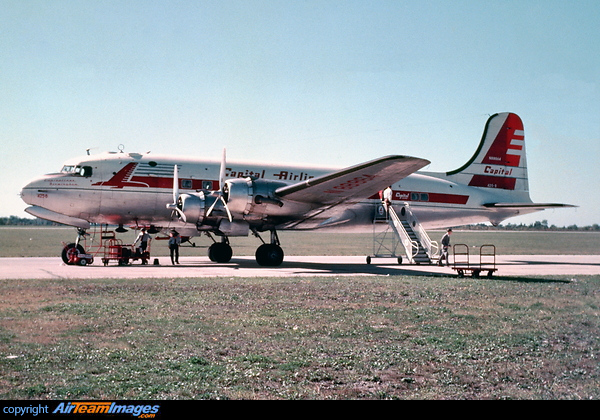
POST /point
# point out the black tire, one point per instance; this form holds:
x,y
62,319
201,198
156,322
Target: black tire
x,y
70,248
269,255
220,252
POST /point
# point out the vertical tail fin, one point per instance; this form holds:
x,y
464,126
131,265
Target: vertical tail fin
x,y
499,161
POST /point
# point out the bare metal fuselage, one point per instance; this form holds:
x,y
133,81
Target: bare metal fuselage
x,y
134,189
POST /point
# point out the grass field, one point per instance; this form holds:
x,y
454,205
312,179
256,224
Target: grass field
x,y
392,337
301,338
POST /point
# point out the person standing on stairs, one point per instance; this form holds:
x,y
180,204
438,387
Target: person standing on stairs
x,y
387,198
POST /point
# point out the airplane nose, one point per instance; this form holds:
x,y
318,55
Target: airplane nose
x,y
31,193
26,194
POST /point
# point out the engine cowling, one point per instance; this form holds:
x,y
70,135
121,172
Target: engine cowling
x,y
193,206
251,197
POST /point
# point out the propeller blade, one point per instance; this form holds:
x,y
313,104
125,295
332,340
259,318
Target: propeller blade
x,y
210,209
220,198
174,206
222,171
227,209
175,184
221,189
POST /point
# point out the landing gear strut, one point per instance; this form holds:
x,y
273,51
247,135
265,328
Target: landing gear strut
x,y
270,255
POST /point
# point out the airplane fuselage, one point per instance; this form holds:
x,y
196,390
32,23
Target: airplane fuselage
x,y
195,195
131,188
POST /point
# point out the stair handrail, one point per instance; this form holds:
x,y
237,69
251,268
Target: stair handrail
x,y
411,247
432,248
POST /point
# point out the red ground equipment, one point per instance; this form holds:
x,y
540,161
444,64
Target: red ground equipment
x,y
108,248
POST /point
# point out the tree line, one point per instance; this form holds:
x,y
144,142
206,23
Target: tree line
x,y
25,221
536,226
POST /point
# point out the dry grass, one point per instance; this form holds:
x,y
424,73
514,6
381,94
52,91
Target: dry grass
x,y
305,338
402,337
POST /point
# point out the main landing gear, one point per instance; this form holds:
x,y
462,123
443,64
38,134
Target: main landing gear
x,y
220,252
268,254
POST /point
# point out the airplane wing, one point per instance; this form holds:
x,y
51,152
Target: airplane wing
x,y
530,206
354,183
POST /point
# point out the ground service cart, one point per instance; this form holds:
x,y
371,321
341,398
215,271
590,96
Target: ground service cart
x,y
462,263
107,248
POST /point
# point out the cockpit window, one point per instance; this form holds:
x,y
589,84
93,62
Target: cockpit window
x,y
77,170
85,171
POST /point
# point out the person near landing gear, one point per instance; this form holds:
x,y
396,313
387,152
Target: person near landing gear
x,y
174,242
144,238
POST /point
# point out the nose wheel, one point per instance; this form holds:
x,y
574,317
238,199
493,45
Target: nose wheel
x,y
71,252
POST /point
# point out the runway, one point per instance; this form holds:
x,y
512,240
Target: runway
x,y
293,266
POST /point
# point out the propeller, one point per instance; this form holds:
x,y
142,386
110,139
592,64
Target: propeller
x,y
220,195
173,206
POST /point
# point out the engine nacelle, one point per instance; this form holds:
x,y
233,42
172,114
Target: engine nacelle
x,y
252,197
193,206
202,208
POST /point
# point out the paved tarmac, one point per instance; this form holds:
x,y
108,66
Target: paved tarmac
x,y
293,266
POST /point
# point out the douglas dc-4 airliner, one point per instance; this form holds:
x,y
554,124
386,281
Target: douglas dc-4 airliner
x,y
228,199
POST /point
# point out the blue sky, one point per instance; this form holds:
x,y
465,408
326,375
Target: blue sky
x,y
320,82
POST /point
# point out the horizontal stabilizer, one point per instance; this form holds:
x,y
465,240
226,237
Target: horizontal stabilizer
x,y
353,183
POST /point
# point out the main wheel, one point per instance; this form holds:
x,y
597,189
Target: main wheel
x,y
269,255
70,251
220,252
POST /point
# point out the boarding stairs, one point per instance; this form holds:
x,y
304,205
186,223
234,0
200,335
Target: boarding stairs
x,y
404,229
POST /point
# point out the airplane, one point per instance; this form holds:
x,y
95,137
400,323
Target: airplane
x,y
199,196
